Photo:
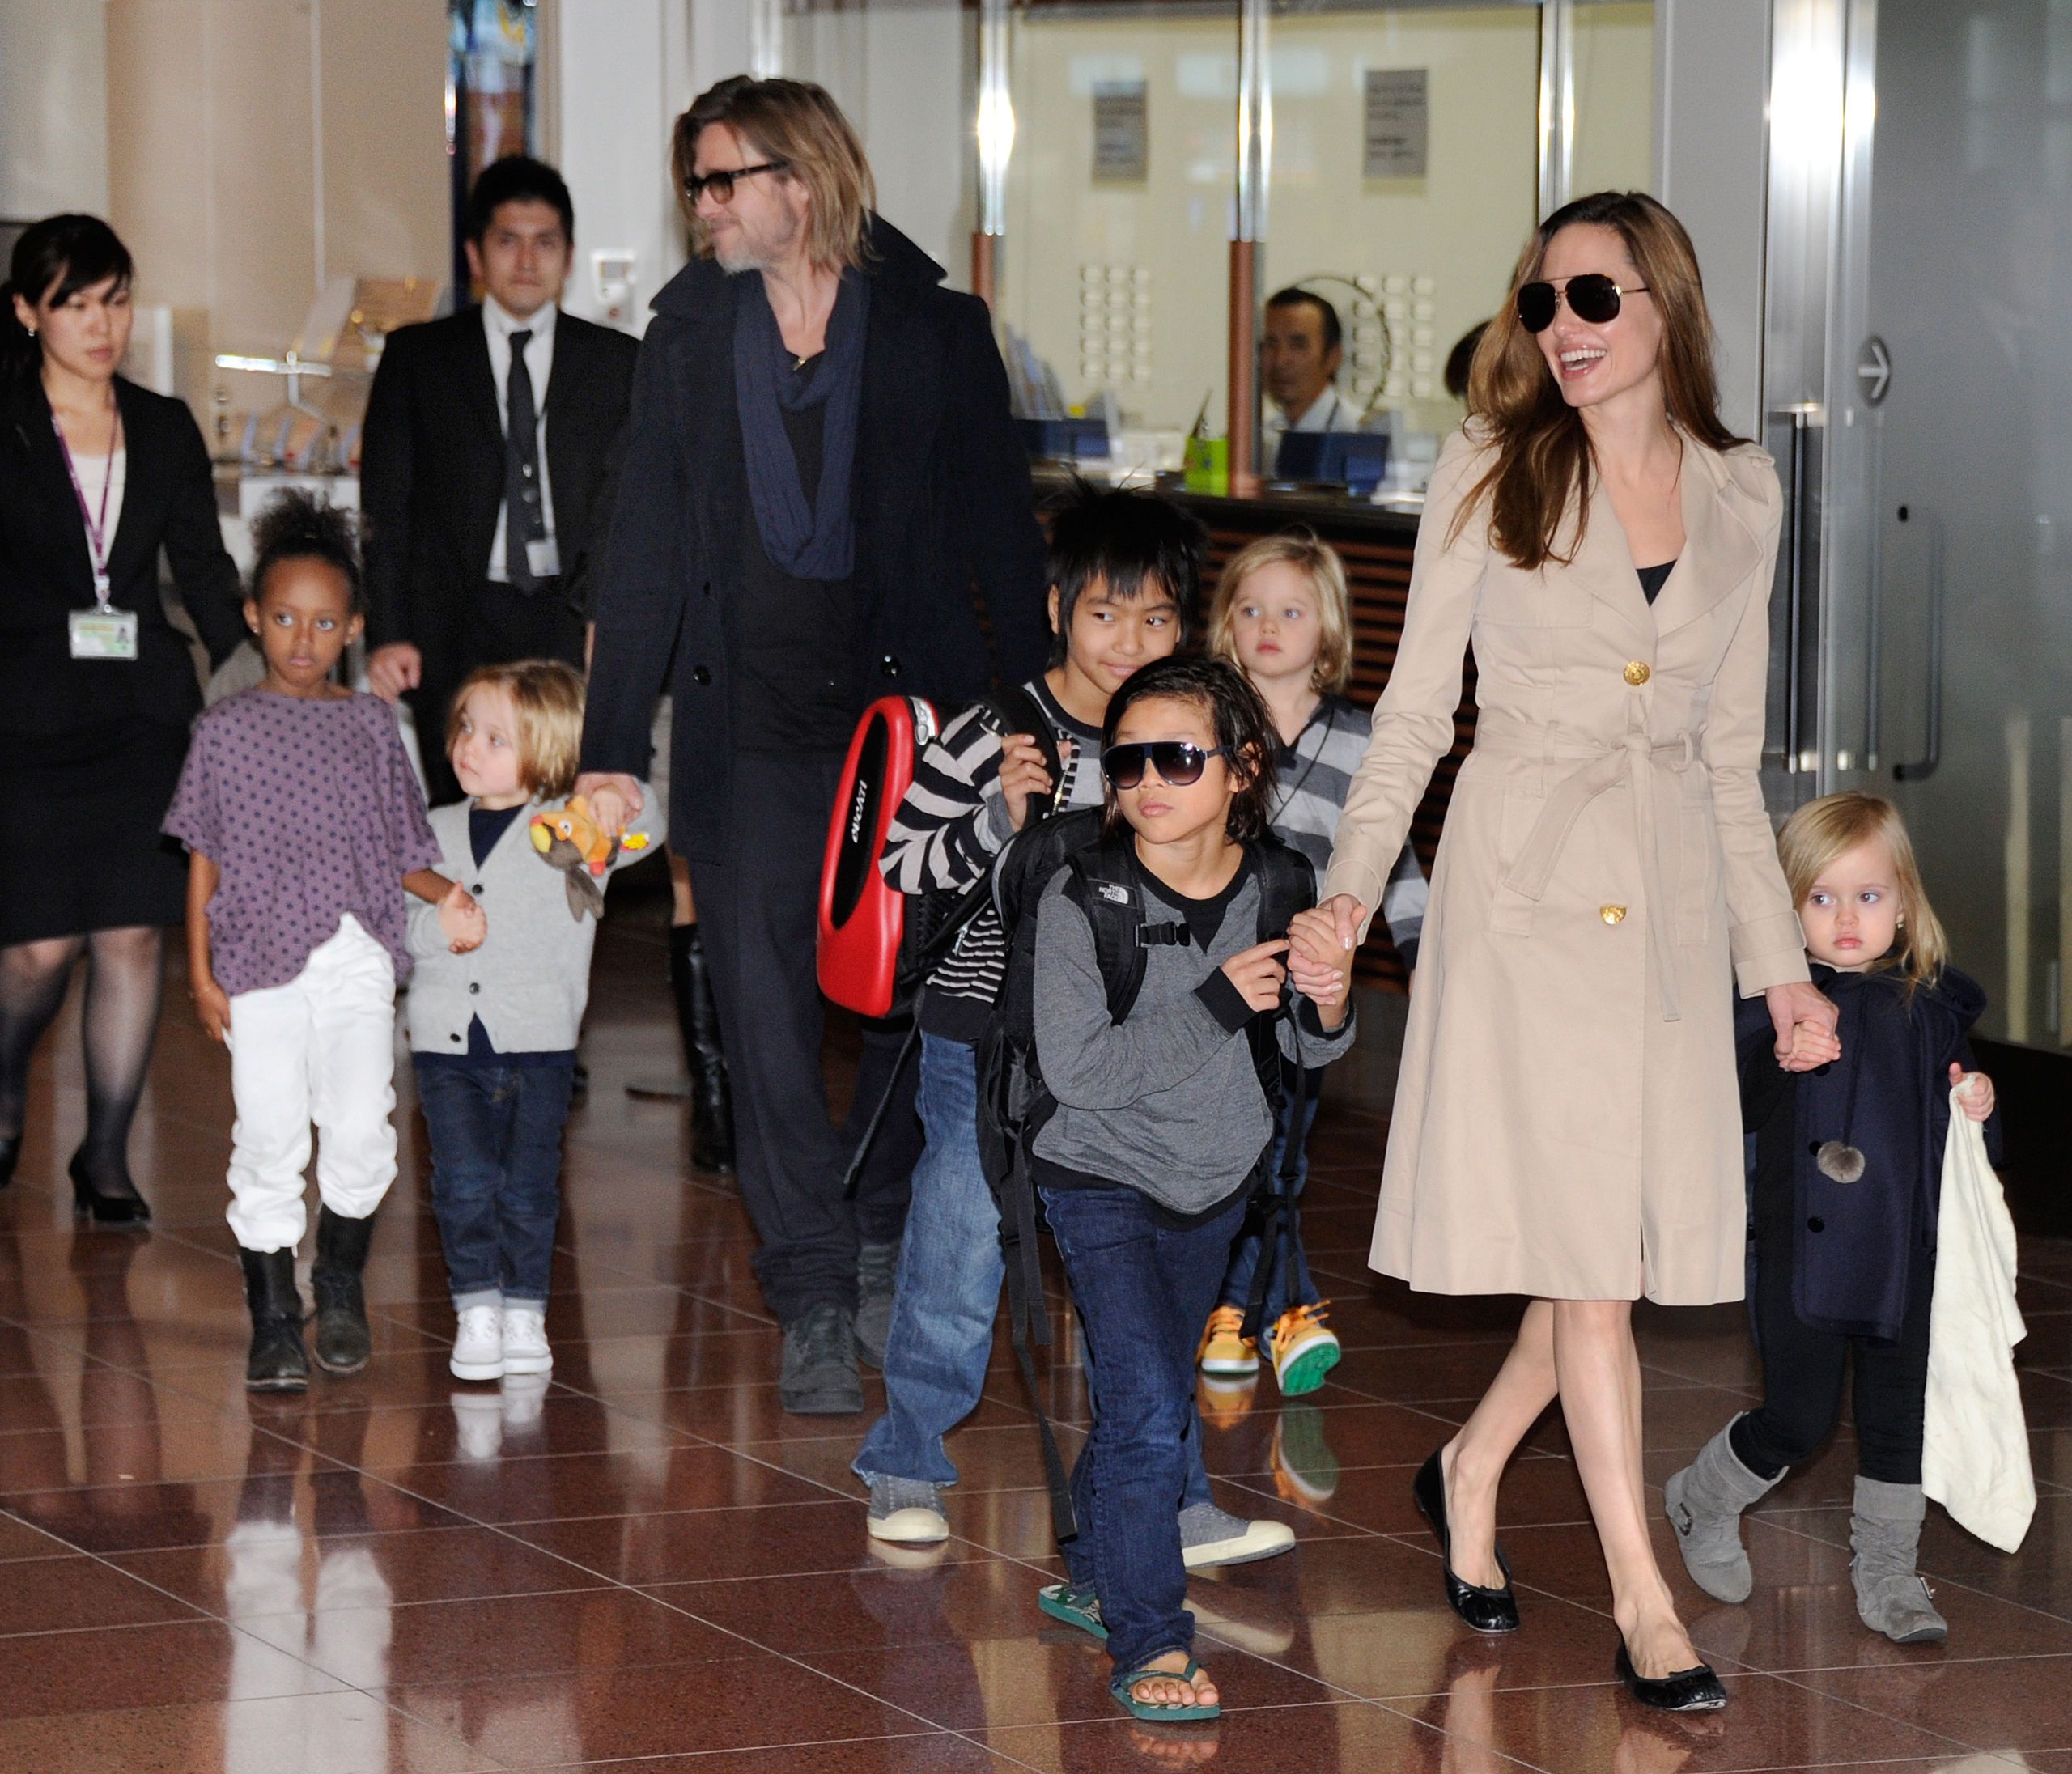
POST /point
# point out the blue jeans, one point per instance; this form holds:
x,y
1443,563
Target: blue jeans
x,y
496,1175
1289,1282
947,1293
1143,1290
948,1290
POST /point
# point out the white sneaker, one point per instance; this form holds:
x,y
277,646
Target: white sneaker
x,y
478,1346
525,1348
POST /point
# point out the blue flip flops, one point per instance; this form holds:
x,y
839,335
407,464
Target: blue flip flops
x,y
1075,1607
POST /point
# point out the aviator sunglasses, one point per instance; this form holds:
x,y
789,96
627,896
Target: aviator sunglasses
x,y
1591,296
1179,764
721,183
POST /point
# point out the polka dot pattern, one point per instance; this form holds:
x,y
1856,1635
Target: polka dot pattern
x,y
310,810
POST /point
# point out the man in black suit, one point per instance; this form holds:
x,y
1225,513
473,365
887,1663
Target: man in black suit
x,y
480,532
824,501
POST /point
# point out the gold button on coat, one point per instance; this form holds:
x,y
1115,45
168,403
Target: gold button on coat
x,y
1637,673
1612,914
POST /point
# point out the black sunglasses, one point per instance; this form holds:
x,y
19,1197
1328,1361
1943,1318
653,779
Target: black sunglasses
x,y
721,183
1592,296
1179,764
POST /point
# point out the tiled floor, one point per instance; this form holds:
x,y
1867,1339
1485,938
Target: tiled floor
x,y
647,1566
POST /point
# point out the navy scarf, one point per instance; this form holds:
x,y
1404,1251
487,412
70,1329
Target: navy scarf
x,y
816,541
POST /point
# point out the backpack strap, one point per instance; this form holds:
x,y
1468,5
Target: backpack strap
x,y
1287,884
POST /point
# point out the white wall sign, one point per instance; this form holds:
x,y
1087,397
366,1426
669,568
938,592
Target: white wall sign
x,y
1399,123
1122,131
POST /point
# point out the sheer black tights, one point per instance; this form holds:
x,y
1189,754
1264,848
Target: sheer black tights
x,y
124,977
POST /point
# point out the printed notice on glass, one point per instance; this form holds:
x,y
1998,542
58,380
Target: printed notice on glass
x,y
1398,122
1122,131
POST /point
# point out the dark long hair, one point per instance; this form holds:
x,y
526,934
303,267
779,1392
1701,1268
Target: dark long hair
x,y
1243,729
1543,453
54,260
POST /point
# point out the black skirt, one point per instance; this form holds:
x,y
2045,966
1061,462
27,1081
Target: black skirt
x,y
81,849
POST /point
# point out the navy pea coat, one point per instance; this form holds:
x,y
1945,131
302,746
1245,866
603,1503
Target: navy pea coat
x,y
1888,1097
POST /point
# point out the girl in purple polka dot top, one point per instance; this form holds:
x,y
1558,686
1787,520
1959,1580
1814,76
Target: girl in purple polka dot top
x,y
306,831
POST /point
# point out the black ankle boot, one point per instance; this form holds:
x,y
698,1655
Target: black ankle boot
x,y
277,1363
712,1111
342,1341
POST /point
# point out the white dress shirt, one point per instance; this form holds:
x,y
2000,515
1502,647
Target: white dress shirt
x,y
498,325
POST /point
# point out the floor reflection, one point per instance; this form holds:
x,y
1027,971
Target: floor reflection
x,y
642,1564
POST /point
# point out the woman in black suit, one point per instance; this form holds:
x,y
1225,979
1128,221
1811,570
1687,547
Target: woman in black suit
x,y
97,477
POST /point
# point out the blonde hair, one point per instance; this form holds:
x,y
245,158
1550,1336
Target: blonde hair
x,y
1543,463
798,125
1822,830
547,697
1320,563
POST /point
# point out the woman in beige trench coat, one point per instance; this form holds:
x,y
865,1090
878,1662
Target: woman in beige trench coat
x,y
1567,1123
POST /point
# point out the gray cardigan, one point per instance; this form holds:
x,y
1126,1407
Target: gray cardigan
x,y
530,979
1167,1100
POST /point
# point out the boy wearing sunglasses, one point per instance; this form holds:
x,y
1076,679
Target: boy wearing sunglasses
x,y
1124,570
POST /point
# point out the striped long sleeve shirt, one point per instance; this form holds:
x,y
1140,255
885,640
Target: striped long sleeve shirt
x,y
1314,775
947,830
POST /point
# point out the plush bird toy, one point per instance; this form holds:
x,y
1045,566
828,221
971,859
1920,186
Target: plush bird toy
x,y
570,838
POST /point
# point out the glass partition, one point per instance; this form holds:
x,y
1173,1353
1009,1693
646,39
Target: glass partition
x,y
1115,264
1403,179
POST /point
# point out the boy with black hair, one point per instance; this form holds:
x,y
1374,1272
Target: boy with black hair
x,y
1124,570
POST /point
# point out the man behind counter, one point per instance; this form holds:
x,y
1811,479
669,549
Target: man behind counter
x,y
1299,352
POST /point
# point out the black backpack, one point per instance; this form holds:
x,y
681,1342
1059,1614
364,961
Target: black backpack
x,y
1013,1102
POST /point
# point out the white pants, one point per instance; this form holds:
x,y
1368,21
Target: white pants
x,y
321,1048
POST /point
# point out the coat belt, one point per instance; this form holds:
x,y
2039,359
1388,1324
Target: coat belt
x,y
1633,757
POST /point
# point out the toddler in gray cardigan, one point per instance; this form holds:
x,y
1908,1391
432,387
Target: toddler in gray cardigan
x,y
493,1032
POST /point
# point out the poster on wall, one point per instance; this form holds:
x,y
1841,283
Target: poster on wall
x,y
1399,123
1121,132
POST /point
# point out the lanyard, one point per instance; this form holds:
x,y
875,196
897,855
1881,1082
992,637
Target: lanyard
x,y
97,535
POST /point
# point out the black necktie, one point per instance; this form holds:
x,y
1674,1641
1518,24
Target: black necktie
x,y
523,521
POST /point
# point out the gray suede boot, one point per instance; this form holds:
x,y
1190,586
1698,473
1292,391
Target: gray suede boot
x,y
1885,1533
1704,1503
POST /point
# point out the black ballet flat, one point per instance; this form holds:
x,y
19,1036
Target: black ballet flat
x,y
120,1207
10,1155
1487,1610
1687,1690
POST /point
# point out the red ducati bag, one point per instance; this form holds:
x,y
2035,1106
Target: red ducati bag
x,y
863,920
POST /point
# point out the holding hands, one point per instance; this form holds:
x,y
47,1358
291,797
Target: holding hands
x,y
614,798
1804,1018
461,920
1320,962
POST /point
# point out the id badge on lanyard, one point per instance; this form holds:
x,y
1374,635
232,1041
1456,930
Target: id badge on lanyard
x,y
103,632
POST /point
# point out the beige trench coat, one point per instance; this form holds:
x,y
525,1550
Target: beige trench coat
x,y
1567,1121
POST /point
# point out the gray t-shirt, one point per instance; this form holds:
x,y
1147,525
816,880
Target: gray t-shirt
x,y
310,810
1167,1101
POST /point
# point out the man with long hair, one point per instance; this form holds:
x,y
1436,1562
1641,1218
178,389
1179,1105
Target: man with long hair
x,y
822,469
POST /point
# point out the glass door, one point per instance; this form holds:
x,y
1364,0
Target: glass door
x,y
1946,629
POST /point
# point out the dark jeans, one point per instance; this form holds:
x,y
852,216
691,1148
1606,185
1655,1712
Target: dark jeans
x,y
1288,1283
501,625
1142,1290
759,908
1803,1370
496,1175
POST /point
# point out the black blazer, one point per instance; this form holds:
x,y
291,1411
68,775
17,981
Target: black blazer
x,y
944,515
46,570
431,472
